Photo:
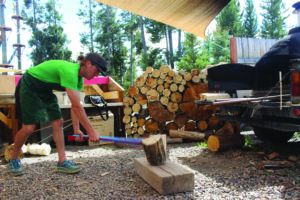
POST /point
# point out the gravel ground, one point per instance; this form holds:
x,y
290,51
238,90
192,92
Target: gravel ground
x,y
108,173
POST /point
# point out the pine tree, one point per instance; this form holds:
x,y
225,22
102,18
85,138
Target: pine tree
x,y
250,20
273,23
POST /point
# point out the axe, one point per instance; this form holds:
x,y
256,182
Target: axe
x,y
137,141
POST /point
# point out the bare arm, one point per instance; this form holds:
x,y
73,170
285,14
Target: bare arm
x,y
78,110
76,127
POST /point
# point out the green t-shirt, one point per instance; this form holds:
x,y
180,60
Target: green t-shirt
x,y
60,72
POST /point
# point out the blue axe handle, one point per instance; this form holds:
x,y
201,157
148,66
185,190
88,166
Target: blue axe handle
x,y
110,139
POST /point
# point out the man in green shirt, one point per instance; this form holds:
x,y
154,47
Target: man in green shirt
x,y
37,103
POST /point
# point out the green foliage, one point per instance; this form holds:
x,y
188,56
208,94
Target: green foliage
x,y
250,20
202,144
220,46
273,23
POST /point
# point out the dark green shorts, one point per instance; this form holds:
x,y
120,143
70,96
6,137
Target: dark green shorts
x,y
37,101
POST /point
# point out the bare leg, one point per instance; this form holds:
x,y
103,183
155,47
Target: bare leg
x,y
59,140
20,139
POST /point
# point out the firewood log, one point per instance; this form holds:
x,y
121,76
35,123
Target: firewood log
x,y
164,100
202,125
190,135
152,95
140,81
127,101
126,119
127,110
195,112
183,82
189,126
140,131
161,127
159,113
149,69
188,76
181,119
144,90
181,88
134,125
136,107
160,81
150,83
141,122
127,126
171,73
227,129
173,87
151,126
196,79
167,92
218,143
145,74
162,76
164,69
171,126
155,150
208,132
195,72
166,85
215,122
177,78
134,118
133,91
169,79
176,97
172,107
143,113
128,131
156,73
141,99
182,72
160,88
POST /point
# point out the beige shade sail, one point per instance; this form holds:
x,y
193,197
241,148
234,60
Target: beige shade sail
x,y
192,16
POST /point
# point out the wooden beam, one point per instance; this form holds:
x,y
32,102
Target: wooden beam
x,y
97,89
166,179
5,120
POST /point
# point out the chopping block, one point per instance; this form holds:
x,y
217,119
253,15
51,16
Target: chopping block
x,y
168,178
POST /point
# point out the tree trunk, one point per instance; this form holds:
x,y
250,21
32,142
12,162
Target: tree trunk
x,y
218,143
158,112
190,135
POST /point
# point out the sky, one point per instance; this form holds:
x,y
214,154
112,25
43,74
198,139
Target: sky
x,y
73,27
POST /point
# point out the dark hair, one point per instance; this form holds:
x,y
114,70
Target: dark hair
x,y
81,60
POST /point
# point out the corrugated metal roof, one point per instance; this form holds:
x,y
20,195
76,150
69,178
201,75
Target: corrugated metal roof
x,y
192,16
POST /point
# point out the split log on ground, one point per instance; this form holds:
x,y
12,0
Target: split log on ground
x,y
127,110
152,95
181,88
173,87
160,88
162,76
126,119
128,101
158,112
227,129
164,100
215,122
149,69
188,76
144,90
202,125
171,73
155,149
181,119
141,99
133,91
277,164
141,122
208,132
171,126
151,83
195,112
136,107
160,81
167,92
144,113
172,107
169,79
189,135
224,142
151,126
156,73
189,126
164,69
195,72
177,78
176,97
141,131
140,81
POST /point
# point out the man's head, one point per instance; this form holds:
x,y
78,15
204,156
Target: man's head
x,y
98,61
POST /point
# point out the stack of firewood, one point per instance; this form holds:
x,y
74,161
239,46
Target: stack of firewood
x,y
162,100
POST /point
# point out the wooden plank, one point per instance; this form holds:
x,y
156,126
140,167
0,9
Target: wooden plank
x,y
7,84
111,95
166,179
5,120
233,50
97,89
